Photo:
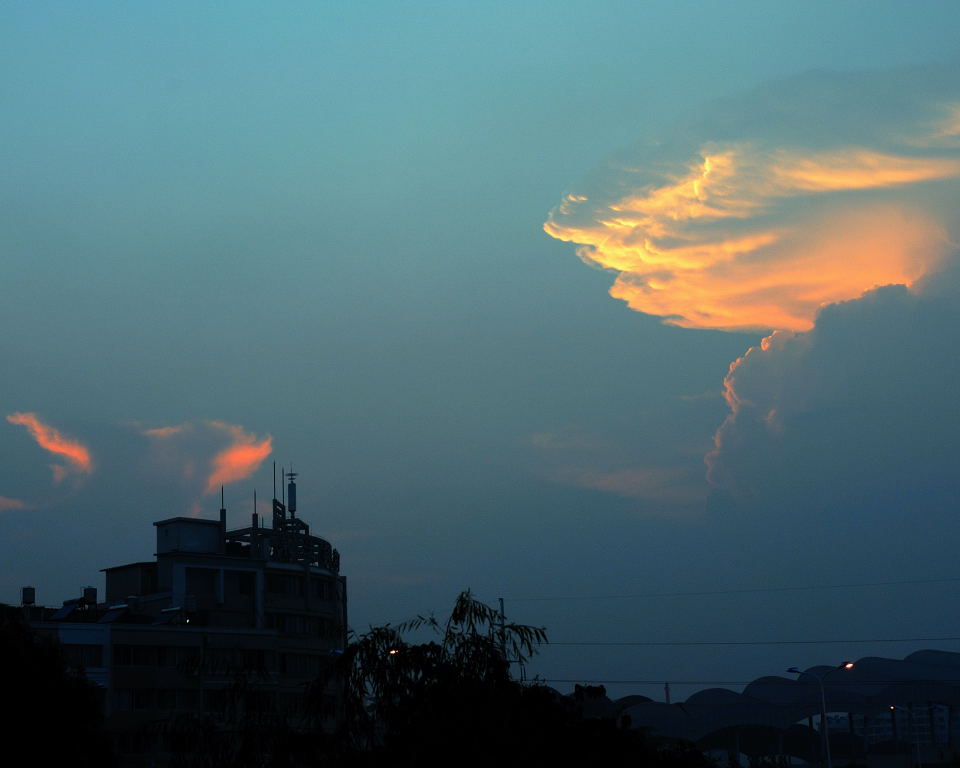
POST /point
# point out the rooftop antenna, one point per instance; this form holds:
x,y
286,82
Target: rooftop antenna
x,y
274,481
283,495
223,521
292,490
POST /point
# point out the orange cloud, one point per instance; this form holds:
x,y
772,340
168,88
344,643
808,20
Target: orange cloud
x,y
670,487
6,504
751,237
167,448
857,168
240,459
165,431
944,130
50,439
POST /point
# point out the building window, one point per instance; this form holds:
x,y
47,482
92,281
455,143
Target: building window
x,y
202,582
302,664
285,584
185,657
144,656
122,655
245,582
221,661
83,655
322,589
187,699
144,698
254,660
215,700
166,698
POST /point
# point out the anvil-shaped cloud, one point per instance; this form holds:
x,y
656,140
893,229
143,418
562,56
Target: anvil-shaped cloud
x,y
805,193
825,208
76,454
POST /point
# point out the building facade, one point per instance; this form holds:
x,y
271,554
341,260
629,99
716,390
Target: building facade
x,y
221,627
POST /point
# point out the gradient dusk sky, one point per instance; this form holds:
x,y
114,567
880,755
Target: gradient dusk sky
x,y
641,315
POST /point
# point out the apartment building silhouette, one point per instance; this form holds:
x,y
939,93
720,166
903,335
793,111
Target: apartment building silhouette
x,y
221,623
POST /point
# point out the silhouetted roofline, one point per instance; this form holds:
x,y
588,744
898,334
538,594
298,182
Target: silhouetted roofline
x,y
129,565
187,520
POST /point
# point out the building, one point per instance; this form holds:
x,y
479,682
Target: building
x,y
927,724
222,624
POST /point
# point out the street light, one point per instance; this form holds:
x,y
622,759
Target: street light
x,y
824,733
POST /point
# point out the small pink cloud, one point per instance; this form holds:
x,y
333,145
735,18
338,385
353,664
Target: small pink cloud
x,y
7,504
162,432
671,487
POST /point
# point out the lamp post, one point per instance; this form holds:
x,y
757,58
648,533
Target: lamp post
x,y
824,732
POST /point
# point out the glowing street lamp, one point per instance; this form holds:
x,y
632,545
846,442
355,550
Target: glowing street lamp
x,y
824,733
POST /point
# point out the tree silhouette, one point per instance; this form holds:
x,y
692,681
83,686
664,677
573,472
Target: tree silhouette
x,y
49,703
451,700
388,685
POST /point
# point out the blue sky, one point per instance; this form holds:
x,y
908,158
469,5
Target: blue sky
x,y
323,223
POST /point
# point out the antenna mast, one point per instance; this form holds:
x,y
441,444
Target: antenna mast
x,y
292,491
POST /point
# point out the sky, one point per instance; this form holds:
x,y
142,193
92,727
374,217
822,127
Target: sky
x,y
641,316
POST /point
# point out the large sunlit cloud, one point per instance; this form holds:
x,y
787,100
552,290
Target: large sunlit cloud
x,y
76,456
807,193
825,211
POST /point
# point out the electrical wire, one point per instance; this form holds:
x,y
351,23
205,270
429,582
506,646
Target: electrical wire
x,y
639,682
672,681
748,590
677,643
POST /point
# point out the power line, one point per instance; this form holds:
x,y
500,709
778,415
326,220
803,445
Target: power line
x,y
640,682
748,590
675,643
673,681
